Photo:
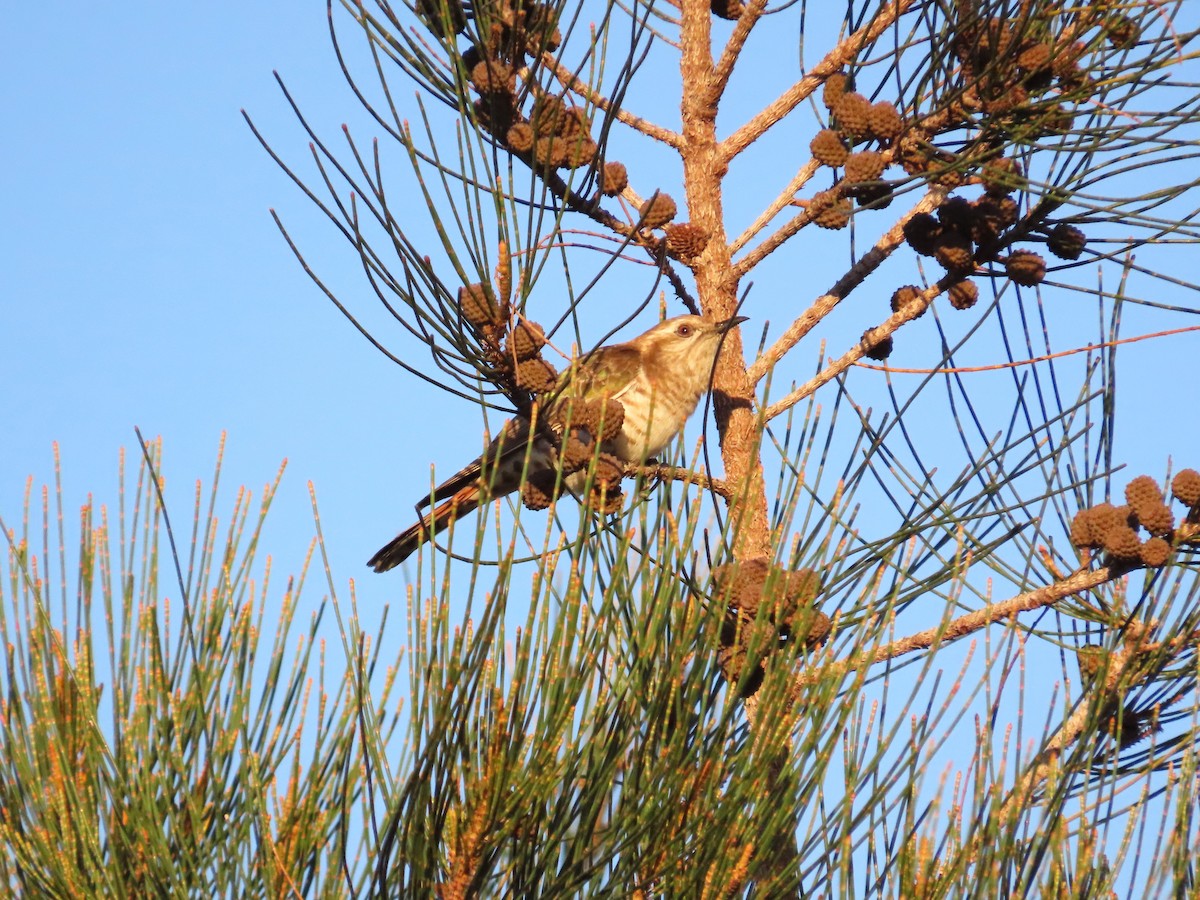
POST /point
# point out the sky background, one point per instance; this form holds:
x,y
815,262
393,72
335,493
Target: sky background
x,y
143,283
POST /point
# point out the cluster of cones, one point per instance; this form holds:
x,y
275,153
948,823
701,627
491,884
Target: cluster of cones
x,y
1115,530
767,608
575,425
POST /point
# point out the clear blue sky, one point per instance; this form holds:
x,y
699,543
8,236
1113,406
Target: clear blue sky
x,y
142,281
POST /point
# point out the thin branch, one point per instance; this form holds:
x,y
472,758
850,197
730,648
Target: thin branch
x,y
569,80
733,48
848,282
1077,583
676,473
962,370
843,53
781,202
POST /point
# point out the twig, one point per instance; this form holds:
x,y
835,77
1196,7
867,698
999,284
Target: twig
x,y
569,80
1048,595
677,473
785,198
852,279
963,370
737,41
847,50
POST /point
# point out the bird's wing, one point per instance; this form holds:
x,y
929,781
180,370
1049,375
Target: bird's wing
x,y
605,372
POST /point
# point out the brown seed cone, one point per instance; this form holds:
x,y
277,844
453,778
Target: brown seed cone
x,y
612,418
1122,543
914,157
613,179
1035,57
576,412
1105,517
1155,552
964,294
853,114
1066,241
478,305
609,472
686,241
829,210
743,582
1156,519
1066,58
577,450
876,196
434,14
496,112
1001,177
658,210
864,166
954,253
958,214
835,86
878,350
922,232
1091,660
1185,487
1057,119
551,152
520,137
580,151
492,76
1122,32
908,296
727,9
526,341
993,216
538,490
574,122
606,501
884,121
810,627
1025,268
828,148
1083,531
536,375
1143,492
547,115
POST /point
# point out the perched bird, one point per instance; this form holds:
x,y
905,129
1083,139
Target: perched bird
x,y
658,378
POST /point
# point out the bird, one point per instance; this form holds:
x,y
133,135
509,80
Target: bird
x,y
658,379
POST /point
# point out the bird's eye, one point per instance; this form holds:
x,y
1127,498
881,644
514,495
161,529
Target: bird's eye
x,y
683,330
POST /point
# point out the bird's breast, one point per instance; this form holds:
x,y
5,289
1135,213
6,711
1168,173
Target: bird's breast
x,y
654,414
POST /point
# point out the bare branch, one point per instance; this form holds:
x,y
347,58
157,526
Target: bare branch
x,y
843,53
848,282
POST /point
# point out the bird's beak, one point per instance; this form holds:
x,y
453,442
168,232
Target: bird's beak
x,y
733,322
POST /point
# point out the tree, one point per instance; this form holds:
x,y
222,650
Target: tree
x,y
973,148
822,680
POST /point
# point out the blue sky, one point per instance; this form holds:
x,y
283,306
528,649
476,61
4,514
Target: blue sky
x,y
143,282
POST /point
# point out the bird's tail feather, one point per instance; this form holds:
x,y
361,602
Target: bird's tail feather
x,y
406,542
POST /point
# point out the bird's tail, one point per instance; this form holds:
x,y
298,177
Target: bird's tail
x,y
400,547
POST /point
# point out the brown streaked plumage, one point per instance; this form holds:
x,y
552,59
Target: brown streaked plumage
x,y
658,378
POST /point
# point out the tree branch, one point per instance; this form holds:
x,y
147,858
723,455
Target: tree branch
x,y
848,282
843,53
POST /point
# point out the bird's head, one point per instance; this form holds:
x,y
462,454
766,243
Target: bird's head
x,y
686,343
